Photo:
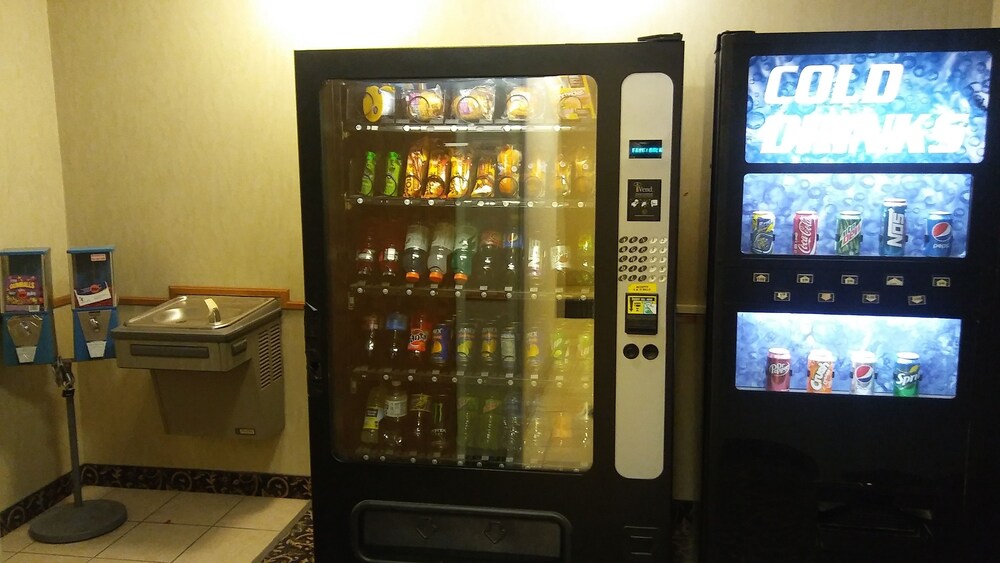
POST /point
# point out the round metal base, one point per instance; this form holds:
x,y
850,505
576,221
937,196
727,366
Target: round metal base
x,y
67,523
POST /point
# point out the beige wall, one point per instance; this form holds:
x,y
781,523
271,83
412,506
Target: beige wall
x,y
996,13
178,146
33,448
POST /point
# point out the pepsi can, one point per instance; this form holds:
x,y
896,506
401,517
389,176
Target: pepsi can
x,y
762,232
892,236
937,237
862,373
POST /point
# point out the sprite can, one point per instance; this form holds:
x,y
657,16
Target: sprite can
x,y
393,165
849,233
906,375
762,232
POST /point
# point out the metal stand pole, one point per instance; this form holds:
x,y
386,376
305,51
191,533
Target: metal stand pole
x,y
82,520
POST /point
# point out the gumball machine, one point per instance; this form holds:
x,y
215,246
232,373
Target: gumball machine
x,y
26,307
94,301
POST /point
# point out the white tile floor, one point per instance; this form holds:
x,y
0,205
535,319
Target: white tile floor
x,y
170,526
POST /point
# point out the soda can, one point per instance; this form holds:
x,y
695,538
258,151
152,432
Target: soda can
x,y
559,345
465,343
393,166
937,236
762,232
508,348
779,369
820,377
892,236
906,375
441,345
862,373
533,358
849,233
488,346
368,175
805,227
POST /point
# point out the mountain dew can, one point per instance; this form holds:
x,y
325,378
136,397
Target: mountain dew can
x,y
849,233
906,375
368,175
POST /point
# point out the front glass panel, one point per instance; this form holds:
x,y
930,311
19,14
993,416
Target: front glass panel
x,y
927,107
847,354
468,210
860,214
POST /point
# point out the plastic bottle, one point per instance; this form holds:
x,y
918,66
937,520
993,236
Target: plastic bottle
x,y
442,243
416,348
418,435
513,422
534,266
442,410
585,434
488,259
584,255
397,336
388,258
561,452
365,259
371,328
559,260
491,439
512,249
415,253
393,426
538,432
468,409
374,412
466,244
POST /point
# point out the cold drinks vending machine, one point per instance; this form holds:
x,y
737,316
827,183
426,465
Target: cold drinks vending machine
x,y
489,355
853,246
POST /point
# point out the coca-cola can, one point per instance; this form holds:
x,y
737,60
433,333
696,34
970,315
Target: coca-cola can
x,y
862,373
805,225
779,369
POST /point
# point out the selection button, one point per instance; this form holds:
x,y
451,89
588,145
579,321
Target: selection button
x,y
941,281
782,296
849,279
869,298
803,278
761,277
825,297
916,299
894,281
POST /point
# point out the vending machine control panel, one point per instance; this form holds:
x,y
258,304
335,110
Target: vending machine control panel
x,y
643,258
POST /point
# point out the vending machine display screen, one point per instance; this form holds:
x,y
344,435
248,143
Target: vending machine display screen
x,y
891,215
868,107
847,354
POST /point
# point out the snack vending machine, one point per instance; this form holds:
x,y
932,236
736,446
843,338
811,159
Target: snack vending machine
x,y
489,357
27,307
853,244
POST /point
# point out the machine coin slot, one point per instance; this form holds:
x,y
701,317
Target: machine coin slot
x,y
641,309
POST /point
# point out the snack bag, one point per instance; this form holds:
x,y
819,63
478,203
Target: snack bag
x,y
437,174
475,103
424,103
576,101
485,177
416,170
508,171
461,168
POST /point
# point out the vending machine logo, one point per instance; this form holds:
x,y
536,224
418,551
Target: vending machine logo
x,y
876,107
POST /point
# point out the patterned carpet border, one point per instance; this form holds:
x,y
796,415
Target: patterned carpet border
x,y
297,546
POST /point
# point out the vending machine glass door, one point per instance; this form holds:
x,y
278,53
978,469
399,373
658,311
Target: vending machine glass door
x,y
463,227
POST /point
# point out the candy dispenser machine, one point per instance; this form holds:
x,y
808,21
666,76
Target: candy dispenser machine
x,y
27,307
94,302
852,248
